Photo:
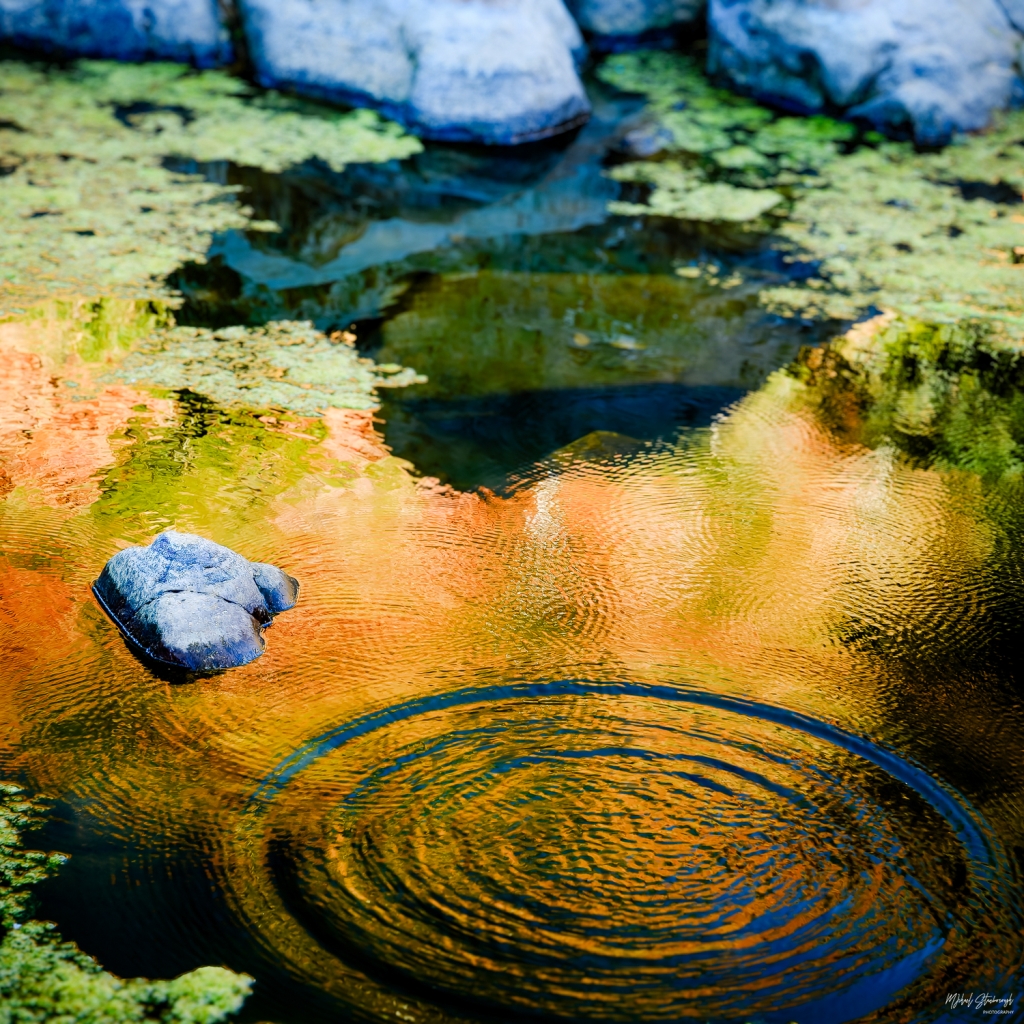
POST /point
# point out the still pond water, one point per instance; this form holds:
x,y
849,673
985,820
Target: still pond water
x,y
618,689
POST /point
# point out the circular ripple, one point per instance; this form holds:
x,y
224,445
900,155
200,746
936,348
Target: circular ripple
x,y
625,853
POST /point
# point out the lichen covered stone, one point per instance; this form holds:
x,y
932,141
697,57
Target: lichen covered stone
x,y
191,604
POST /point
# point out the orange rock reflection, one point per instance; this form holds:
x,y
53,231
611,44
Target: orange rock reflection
x,y
53,438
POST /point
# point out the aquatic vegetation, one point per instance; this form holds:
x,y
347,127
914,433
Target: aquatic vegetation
x,y
209,115
928,235
949,396
43,979
728,154
932,235
679,192
284,364
89,200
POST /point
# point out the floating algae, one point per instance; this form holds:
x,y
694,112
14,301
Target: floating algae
x,y
682,192
88,204
286,364
730,155
210,116
924,234
44,979
931,235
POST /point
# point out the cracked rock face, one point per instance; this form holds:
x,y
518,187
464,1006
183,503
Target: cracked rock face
x,y
190,604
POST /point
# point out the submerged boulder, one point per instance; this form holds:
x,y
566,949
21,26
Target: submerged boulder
x,y
932,66
633,17
181,30
191,604
499,71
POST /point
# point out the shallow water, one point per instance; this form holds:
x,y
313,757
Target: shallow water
x,y
692,712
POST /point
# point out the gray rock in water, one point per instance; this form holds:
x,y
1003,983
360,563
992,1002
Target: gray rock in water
x,y
192,604
182,30
935,66
461,70
633,17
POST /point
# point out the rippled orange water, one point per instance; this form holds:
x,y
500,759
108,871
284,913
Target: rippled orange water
x,y
726,728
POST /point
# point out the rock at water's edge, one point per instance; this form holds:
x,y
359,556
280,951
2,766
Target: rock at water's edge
x,y
181,30
936,66
633,17
191,604
495,71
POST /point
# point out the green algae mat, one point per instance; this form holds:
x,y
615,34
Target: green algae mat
x,y
925,234
90,200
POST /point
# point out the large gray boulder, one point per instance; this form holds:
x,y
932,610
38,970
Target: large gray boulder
x,y
181,30
934,66
500,71
193,605
634,17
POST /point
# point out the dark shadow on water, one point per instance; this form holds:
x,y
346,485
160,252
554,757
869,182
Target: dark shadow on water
x,y
158,913
474,442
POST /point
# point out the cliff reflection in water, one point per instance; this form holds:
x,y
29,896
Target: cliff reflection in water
x,y
525,754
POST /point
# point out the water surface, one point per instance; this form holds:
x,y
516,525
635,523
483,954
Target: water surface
x,y
619,689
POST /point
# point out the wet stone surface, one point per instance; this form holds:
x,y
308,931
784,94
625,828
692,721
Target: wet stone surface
x,y
190,604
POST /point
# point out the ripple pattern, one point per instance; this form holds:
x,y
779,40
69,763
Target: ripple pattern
x,y
622,852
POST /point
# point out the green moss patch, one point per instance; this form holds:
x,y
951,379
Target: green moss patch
x,y
43,979
937,236
284,365
88,203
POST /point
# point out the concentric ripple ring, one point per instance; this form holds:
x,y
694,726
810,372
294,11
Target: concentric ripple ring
x,y
572,850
